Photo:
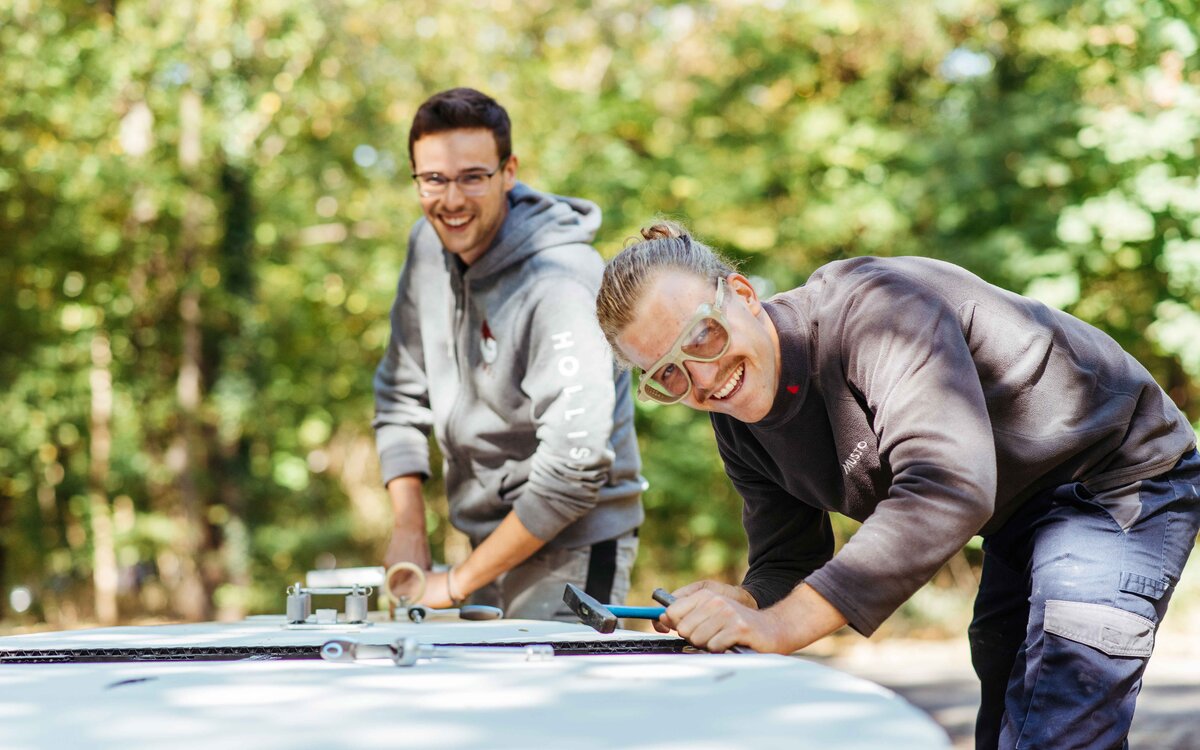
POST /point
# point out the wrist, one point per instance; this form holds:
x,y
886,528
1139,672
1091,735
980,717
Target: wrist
x,y
805,616
409,522
746,598
781,631
453,592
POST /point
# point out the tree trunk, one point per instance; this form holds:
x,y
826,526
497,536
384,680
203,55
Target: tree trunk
x,y
104,557
191,597
6,505
231,467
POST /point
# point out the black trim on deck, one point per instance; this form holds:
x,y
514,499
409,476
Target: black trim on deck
x,y
273,653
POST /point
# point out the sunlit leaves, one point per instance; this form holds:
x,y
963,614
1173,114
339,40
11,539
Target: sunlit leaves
x,y
1048,145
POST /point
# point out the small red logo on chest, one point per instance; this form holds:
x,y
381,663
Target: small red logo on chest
x,y
488,348
793,389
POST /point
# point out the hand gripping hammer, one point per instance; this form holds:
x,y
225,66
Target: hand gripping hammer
x,y
662,596
603,617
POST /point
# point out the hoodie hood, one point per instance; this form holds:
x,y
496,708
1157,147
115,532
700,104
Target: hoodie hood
x,y
537,221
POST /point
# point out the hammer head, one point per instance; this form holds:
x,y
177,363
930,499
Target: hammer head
x,y
591,612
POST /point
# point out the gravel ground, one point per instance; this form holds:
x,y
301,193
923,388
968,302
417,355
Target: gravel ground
x,y
937,678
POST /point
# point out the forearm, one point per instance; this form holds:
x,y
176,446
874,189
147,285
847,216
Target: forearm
x,y
408,504
409,542
504,549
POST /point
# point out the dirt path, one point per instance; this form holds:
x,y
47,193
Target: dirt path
x,y
937,677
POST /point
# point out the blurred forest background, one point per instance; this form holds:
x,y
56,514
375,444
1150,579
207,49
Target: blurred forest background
x,y
204,206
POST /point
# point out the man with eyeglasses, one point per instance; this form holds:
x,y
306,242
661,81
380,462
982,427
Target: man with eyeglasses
x,y
495,350
931,406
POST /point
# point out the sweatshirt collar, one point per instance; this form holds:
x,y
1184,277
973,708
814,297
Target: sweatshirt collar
x,y
794,370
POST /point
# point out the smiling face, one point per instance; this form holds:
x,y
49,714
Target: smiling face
x,y
466,224
742,382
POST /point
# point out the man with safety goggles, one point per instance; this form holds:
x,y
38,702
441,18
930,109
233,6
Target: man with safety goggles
x,y
914,397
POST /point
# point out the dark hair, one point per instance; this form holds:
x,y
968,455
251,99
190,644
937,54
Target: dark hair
x,y
664,245
462,108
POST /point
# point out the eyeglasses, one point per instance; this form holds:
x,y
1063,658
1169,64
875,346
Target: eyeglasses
x,y
474,182
705,338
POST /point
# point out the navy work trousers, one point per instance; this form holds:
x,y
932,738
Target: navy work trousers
x,y
1074,586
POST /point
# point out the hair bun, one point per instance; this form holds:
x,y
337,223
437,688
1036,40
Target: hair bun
x,y
663,230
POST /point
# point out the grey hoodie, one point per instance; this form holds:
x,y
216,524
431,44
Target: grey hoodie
x,y
505,362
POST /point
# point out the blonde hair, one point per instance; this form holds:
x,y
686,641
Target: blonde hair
x,y
665,245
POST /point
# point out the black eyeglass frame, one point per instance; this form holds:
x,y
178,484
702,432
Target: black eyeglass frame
x,y
426,190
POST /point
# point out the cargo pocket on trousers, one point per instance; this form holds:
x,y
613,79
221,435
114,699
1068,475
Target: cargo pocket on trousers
x,y
1109,629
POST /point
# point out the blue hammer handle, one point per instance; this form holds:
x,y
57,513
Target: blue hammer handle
x,y
637,613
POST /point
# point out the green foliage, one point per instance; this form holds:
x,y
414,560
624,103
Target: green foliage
x,y
218,192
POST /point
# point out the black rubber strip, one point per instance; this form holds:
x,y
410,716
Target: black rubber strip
x,y
271,653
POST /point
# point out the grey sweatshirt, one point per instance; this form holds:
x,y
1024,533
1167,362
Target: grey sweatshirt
x,y
927,404
505,362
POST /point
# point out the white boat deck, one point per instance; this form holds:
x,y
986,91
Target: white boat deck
x,y
662,701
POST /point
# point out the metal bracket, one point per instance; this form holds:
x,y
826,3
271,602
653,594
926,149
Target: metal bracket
x,y
299,604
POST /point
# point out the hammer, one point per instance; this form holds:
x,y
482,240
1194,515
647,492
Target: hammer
x,y
603,617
